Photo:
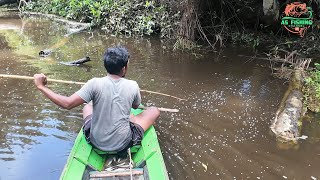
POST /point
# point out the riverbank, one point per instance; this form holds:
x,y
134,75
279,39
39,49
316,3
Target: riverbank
x,y
188,25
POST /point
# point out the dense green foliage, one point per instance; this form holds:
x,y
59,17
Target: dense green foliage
x,y
312,90
314,80
117,16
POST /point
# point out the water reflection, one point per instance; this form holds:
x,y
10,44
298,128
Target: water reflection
x,y
221,132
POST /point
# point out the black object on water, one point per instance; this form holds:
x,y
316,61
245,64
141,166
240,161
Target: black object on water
x,y
45,53
77,62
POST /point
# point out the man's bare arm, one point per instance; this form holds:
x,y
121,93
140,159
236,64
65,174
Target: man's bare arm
x,y
62,101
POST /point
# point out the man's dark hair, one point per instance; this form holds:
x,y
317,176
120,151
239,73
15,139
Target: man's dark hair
x,y
115,59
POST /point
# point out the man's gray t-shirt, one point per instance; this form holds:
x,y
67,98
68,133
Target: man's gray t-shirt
x,y
112,100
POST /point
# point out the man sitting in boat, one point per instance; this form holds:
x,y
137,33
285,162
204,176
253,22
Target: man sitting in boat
x,y
108,125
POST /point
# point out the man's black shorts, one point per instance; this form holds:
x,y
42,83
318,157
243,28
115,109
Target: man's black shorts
x,y
137,133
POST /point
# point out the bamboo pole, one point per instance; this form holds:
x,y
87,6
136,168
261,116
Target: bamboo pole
x,y
153,92
31,78
79,83
162,109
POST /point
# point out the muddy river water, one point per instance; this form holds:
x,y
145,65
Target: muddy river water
x,y
221,132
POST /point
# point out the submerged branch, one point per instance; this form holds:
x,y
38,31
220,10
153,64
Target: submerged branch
x,y
59,19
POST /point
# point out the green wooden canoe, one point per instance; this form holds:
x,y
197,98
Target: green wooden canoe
x,y
83,158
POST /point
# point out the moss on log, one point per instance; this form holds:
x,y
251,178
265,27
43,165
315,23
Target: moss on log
x,y
286,123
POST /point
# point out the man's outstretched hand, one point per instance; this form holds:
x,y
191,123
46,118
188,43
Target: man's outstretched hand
x,y
40,80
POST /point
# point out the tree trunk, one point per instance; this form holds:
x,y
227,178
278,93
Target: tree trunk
x,y
270,11
187,26
3,2
188,22
270,7
285,125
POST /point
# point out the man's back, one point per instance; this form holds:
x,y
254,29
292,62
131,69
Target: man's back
x,y
112,100
107,125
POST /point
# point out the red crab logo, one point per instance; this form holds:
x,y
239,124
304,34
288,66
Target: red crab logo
x,y
297,18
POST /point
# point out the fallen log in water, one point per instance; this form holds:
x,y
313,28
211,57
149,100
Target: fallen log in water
x,y
76,62
285,124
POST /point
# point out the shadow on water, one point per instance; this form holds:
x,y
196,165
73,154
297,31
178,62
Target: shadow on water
x,y
221,132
